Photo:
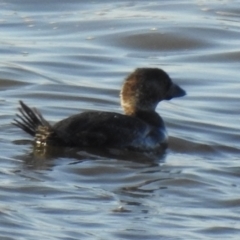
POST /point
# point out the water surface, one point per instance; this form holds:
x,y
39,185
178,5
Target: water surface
x,y
65,58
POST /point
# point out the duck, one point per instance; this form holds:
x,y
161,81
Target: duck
x,y
140,128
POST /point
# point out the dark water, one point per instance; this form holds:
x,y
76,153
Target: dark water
x,y
67,57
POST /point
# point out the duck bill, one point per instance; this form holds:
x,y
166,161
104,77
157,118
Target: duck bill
x,y
174,91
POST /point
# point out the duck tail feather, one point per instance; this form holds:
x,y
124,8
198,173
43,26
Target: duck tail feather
x,y
29,120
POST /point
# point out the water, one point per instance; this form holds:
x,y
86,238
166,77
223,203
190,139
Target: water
x,y
67,57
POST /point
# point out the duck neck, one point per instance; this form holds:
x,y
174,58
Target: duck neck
x,y
150,117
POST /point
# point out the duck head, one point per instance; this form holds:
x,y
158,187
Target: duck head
x,y
145,88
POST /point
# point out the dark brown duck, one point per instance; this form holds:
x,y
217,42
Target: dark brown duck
x,y
141,128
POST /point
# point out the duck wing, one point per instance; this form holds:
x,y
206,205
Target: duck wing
x,y
96,129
